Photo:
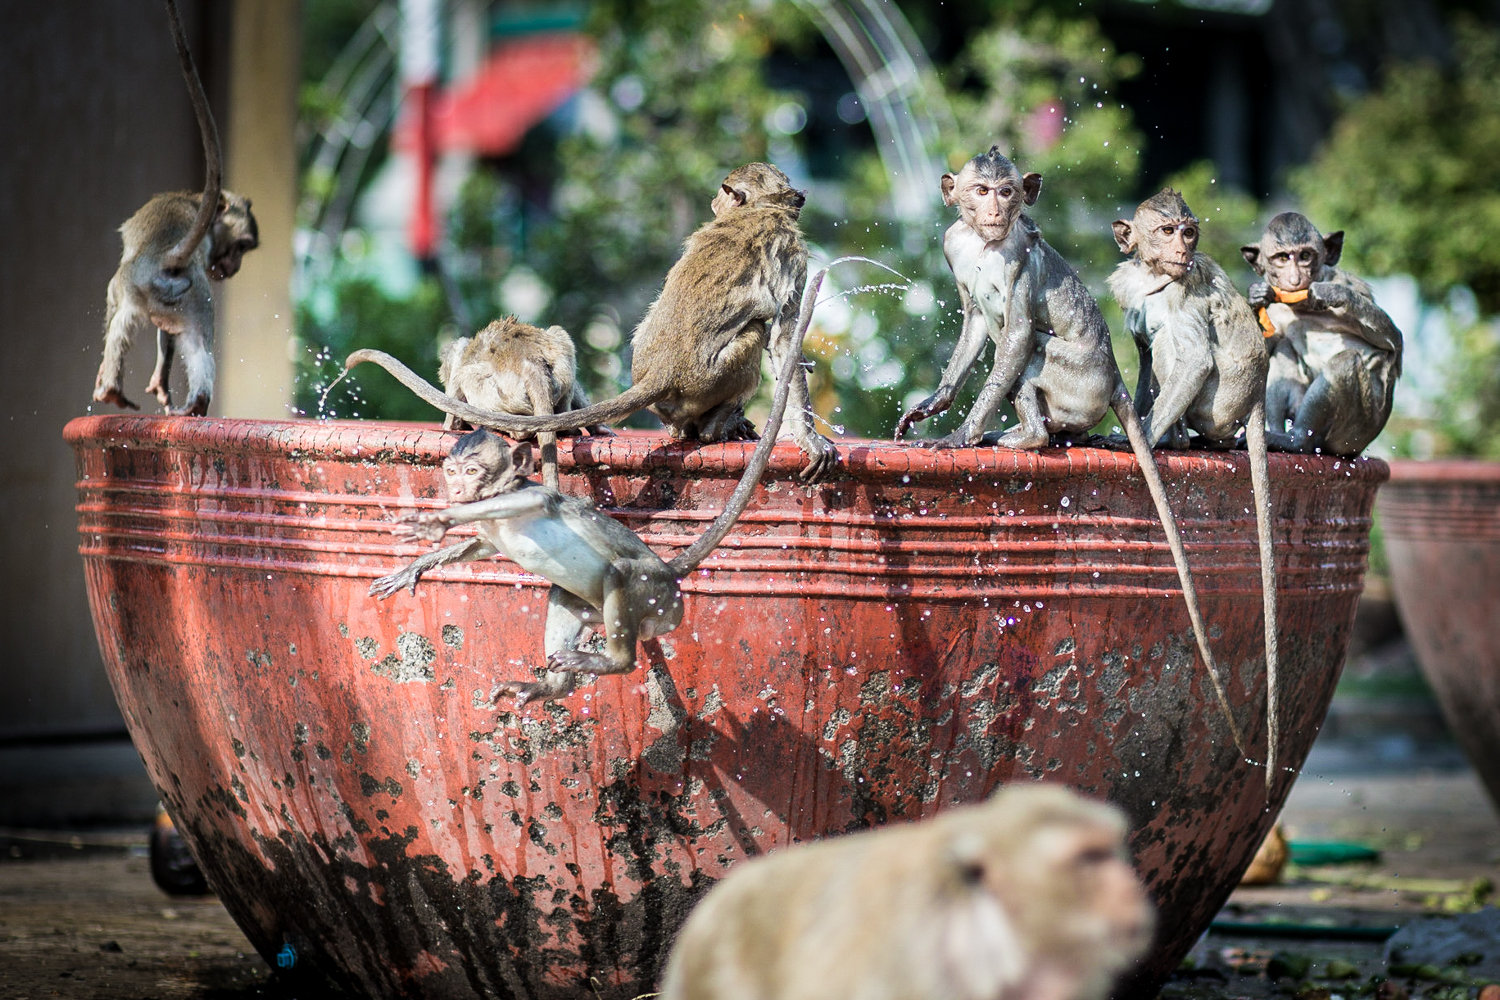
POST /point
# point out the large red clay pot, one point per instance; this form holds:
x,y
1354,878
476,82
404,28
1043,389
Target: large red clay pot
x,y
930,627
1442,535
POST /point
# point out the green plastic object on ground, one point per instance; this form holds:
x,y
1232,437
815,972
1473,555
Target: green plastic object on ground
x,y
1329,852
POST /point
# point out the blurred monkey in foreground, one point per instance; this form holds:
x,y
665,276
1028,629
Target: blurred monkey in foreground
x,y
173,246
1028,896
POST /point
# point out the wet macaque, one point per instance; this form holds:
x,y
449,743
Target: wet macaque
x,y
1335,354
1052,352
1028,896
735,291
173,247
514,367
601,572
1203,368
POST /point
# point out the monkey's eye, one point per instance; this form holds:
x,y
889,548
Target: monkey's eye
x,y
1189,233
1305,256
1006,192
971,873
982,190
1281,258
1095,856
471,470
1168,230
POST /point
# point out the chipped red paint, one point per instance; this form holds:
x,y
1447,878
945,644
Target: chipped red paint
x,y
1442,539
876,649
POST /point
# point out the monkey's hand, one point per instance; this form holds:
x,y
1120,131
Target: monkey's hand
x,y
1323,295
421,527
386,586
929,407
112,394
1261,295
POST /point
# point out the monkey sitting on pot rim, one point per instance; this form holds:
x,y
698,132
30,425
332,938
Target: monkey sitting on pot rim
x,y
735,292
1028,896
601,572
1335,354
173,246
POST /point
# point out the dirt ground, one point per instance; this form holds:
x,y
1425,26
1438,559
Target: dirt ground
x,y
83,919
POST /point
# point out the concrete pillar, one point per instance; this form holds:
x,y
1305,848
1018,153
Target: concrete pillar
x,y
256,322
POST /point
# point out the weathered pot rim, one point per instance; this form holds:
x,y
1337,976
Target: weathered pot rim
x,y
1479,470
645,451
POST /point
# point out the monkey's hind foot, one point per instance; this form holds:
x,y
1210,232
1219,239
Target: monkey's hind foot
x,y
553,684
112,394
958,439
580,661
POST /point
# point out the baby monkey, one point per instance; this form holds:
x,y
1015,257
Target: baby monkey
x,y
173,247
1335,354
601,572
514,367
1028,896
734,293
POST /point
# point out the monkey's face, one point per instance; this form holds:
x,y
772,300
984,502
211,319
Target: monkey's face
x,y
989,203
1166,243
1292,268
234,234
479,466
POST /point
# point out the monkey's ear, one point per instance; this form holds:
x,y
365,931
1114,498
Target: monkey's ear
x,y
949,182
1124,237
1333,247
1031,186
738,196
1251,253
521,462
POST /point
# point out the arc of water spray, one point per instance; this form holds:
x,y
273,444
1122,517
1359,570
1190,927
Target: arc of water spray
x,y
890,70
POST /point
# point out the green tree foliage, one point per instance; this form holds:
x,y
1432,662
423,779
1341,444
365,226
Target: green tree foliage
x,y
355,313
1410,173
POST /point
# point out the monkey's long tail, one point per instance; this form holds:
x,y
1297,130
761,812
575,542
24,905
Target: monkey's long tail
x,y
1255,437
688,560
1131,421
208,210
616,408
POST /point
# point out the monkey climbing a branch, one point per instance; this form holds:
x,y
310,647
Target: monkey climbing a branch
x,y
601,572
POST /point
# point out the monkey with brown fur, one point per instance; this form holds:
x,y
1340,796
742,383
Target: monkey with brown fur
x,y
601,572
173,247
1028,896
1052,348
1335,354
514,367
1203,367
735,291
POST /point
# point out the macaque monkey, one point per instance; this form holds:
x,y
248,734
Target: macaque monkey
x,y
1052,351
735,291
1335,354
601,572
173,247
1029,896
514,367
1203,367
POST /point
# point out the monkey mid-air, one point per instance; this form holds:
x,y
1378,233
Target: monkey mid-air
x,y
1336,355
601,572
1028,896
1203,367
173,247
1052,351
736,290
514,367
